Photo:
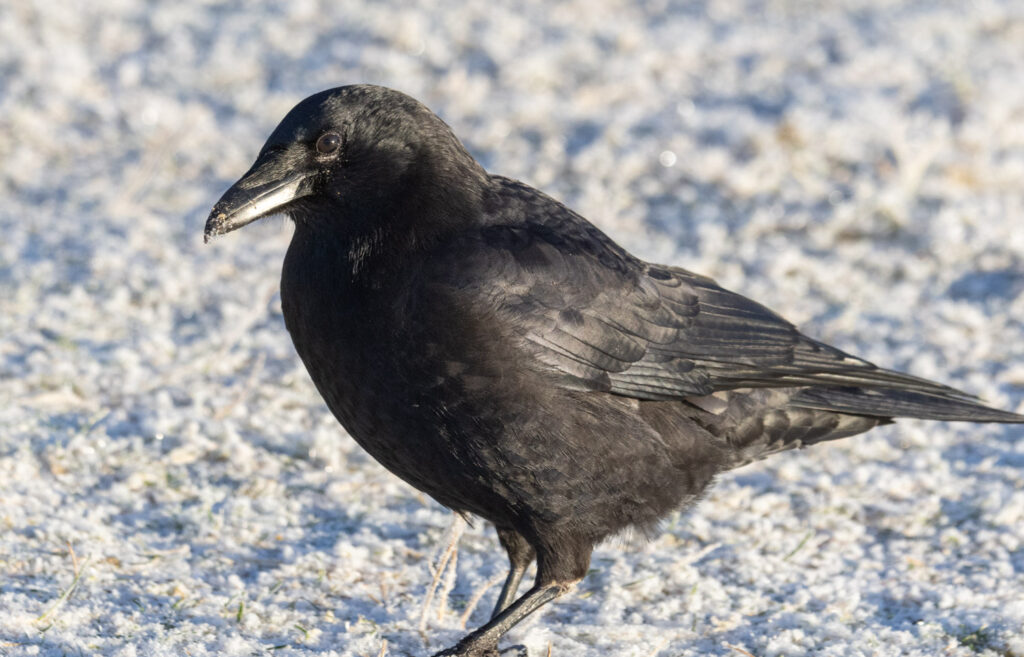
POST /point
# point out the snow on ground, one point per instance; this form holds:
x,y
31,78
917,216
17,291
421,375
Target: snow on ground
x,y
171,484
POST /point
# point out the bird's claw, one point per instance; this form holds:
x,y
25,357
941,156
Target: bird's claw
x,y
480,651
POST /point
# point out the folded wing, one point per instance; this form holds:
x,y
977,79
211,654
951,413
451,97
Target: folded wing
x,y
599,319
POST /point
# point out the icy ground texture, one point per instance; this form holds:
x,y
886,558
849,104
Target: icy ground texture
x,y
859,168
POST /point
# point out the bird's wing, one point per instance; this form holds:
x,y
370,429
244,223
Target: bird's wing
x,y
599,319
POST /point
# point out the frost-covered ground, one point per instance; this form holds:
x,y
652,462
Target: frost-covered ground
x,y
171,484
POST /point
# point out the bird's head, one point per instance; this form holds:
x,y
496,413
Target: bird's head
x,y
351,158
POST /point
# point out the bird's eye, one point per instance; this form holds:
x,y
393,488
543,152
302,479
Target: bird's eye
x,y
328,143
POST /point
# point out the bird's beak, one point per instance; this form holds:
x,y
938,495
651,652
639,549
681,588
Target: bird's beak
x,y
267,187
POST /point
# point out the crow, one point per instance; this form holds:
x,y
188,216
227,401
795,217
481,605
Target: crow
x,y
497,351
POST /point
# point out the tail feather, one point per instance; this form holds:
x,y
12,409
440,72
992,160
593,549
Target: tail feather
x,y
888,403
754,423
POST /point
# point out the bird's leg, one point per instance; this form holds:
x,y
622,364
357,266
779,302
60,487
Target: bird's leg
x,y
483,642
508,590
556,576
520,556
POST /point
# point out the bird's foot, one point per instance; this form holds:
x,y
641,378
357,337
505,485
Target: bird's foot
x,y
464,649
470,649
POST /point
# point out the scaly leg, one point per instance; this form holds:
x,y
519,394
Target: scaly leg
x,y
557,573
520,556
484,641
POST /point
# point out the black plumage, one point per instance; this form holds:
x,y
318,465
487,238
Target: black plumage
x,y
497,351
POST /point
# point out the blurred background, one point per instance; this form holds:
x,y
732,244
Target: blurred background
x,y
171,483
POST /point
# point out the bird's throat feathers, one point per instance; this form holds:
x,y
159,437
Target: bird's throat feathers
x,y
384,231
375,239
364,248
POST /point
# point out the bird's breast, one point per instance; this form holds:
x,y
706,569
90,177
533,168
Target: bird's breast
x,y
383,371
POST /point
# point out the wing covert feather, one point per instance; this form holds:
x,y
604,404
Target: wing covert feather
x,y
594,316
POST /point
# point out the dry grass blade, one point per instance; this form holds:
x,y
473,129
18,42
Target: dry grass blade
x,y
453,534
477,596
74,558
78,571
448,583
740,650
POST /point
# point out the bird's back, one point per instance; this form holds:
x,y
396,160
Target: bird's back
x,y
526,361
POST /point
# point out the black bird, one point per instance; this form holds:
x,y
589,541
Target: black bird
x,y
497,351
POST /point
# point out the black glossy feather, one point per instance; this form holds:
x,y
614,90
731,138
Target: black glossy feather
x,y
497,351
654,332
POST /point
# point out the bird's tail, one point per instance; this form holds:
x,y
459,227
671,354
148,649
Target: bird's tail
x,y
951,406
756,423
